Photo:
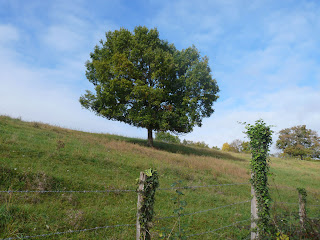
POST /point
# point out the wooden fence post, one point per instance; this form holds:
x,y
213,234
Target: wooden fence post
x,y
142,180
302,207
254,214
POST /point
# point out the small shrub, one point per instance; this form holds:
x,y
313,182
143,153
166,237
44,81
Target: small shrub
x,y
195,144
167,137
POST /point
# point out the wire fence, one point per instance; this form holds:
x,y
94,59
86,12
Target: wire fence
x,y
213,231
122,191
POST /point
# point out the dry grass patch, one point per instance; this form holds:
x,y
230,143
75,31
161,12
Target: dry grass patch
x,y
218,167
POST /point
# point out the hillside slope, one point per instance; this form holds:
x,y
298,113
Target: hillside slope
x,y
40,157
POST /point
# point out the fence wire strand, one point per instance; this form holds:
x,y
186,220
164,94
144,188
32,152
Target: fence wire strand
x,y
217,229
204,186
202,211
207,210
70,231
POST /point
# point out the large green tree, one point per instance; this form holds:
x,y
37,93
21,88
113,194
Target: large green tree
x,y
146,82
298,141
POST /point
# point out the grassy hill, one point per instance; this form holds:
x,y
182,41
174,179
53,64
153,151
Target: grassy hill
x,y
36,156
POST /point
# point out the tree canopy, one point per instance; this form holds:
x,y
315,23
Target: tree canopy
x,y
237,145
146,82
298,141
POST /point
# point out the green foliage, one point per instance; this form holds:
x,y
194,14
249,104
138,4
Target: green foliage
x,y
147,208
146,82
167,137
260,136
281,236
195,144
215,148
245,147
299,141
286,226
303,193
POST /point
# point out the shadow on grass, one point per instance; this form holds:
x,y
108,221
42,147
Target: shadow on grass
x,y
183,149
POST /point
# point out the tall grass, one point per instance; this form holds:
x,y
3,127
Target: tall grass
x,y
37,156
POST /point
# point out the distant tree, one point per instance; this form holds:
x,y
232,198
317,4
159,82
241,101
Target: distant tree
x,y
215,148
236,145
245,147
167,137
146,82
228,148
195,144
299,141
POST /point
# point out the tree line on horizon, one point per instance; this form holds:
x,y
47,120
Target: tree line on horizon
x,y
297,141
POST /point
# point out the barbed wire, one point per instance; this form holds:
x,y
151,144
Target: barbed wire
x,y
192,187
70,231
202,211
68,191
217,229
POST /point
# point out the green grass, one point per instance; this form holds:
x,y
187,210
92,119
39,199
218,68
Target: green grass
x,y
36,156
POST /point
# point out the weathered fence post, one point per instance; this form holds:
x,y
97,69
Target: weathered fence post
x,y
148,183
302,206
142,180
254,214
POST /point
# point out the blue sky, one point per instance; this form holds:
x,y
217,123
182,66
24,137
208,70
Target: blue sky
x,y
265,56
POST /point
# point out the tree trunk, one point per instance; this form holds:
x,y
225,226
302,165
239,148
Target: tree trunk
x,y
150,138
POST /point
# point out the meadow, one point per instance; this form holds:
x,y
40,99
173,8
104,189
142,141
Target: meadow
x,y
39,157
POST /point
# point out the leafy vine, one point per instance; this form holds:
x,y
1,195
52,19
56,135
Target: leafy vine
x,y
303,193
260,136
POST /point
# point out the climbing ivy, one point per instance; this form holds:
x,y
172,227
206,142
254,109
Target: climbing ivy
x,y
150,186
303,193
260,136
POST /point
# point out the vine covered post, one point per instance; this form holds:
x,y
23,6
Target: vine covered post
x,y
148,183
260,136
302,206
